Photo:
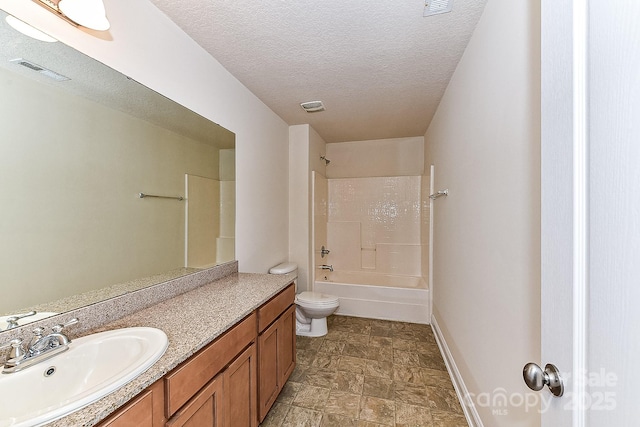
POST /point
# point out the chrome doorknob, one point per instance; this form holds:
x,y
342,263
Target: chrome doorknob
x,y
536,378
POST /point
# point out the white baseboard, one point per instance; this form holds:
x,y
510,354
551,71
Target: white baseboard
x,y
468,406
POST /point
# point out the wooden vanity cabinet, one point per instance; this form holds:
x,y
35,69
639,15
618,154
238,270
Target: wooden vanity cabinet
x,y
226,369
228,400
232,382
276,347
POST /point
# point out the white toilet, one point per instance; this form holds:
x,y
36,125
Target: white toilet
x,y
312,308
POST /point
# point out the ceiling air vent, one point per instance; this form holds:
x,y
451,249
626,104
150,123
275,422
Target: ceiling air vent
x,y
35,67
435,7
312,106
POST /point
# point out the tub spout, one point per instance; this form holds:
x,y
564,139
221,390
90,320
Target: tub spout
x,y
326,267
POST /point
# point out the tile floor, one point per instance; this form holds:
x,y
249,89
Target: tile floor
x,y
368,373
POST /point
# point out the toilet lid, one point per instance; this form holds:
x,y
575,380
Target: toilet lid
x,y
316,298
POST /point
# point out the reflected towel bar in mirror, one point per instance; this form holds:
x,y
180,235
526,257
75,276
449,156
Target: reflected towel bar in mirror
x,y
143,195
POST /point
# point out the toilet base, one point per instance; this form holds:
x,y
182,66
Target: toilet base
x,y
317,328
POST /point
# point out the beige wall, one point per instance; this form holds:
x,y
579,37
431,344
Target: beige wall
x,y
305,149
485,143
226,242
380,157
299,202
145,45
202,229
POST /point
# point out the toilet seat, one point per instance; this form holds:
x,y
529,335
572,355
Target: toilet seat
x,y
316,299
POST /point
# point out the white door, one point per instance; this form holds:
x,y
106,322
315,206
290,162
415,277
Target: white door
x,y
591,210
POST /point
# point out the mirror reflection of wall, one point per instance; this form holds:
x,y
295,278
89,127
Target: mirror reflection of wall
x,y
72,168
72,171
210,218
226,240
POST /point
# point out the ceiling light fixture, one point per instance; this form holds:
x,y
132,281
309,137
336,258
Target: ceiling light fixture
x,y
312,106
28,30
87,13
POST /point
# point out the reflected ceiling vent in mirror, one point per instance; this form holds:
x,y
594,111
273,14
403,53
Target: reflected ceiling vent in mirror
x,y
87,13
312,106
44,71
436,7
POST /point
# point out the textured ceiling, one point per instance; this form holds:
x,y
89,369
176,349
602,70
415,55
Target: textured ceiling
x,y
380,67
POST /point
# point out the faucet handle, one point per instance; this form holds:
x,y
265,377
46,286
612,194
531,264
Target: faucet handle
x,y
12,321
58,328
17,349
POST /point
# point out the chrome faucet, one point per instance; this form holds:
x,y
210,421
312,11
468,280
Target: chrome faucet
x,y
326,267
40,348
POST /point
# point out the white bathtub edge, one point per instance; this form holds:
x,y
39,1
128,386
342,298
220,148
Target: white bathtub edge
x,y
412,313
468,407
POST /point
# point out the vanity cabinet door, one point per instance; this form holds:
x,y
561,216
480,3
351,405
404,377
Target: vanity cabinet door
x,y
277,354
269,384
287,344
145,410
205,409
241,389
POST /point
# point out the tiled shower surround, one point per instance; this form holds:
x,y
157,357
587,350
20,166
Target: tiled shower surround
x,y
374,224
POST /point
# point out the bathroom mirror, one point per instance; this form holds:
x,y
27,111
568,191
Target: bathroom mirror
x,y
79,143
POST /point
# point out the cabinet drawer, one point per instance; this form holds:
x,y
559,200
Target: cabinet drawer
x,y
187,379
275,306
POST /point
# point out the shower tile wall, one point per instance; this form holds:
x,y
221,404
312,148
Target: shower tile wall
x,y
374,224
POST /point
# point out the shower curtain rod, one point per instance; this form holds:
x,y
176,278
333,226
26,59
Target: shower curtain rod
x,y
439,194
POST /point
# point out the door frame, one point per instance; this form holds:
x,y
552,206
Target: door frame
x,y
565,198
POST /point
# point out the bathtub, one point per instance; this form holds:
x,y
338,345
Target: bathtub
x,y
377,296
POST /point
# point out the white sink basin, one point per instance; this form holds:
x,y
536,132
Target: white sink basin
x,y
38,316
94,366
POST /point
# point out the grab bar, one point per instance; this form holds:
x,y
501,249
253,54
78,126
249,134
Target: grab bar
x,y
439,194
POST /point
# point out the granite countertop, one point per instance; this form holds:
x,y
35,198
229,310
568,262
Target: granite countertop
x,y
191,321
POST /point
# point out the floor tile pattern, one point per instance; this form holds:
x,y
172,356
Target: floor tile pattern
x,y
368,373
